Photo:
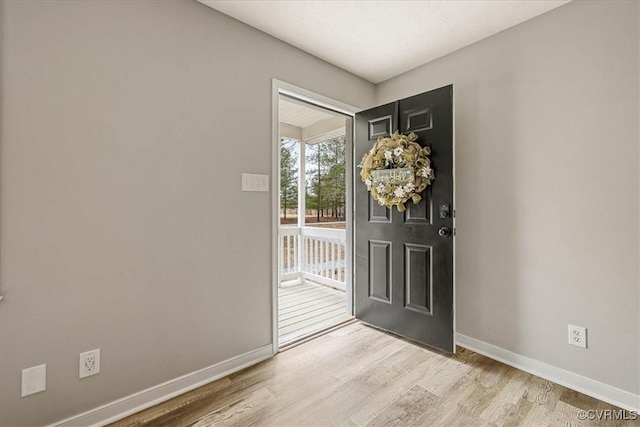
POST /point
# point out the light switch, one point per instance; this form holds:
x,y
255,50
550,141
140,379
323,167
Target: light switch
x,y
34,380
255,182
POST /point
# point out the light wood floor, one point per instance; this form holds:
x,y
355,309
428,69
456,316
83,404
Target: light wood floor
x,y
358,375
307,308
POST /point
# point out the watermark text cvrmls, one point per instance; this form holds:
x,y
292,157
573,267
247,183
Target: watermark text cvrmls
x,y
607,415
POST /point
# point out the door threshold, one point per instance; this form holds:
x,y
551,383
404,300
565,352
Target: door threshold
x,y
303,339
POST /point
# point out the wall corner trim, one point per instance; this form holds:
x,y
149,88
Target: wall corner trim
x,y
588,386
152,396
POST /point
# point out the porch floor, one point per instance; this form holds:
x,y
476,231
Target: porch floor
x,y
307,308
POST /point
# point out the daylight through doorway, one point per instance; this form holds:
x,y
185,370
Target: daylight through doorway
x,y
312,227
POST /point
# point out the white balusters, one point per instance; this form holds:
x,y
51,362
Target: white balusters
x,y
313,253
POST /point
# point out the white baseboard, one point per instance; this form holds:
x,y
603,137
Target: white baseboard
x,y
588,386
137,402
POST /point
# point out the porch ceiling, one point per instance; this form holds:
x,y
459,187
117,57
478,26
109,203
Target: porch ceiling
x,y
307,123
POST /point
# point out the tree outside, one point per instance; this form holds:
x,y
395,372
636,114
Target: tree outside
x,y
325,192
326,179
288,176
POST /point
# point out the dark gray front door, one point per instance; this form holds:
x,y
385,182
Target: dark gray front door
x,y
404,261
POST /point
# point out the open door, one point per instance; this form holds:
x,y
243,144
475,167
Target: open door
x,y
404,260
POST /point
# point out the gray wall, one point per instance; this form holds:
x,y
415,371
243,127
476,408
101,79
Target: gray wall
x,y
547,186
126,127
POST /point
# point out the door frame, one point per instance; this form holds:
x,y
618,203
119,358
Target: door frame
x,y
278,88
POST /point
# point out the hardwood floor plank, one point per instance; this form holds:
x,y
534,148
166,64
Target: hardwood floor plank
x,y
504,401
543,392
377,402
566,415
150,416
517,413
239,412
407,408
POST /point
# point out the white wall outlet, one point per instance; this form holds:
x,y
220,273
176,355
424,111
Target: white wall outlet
x,y
578,336
89,363
255,182
34,380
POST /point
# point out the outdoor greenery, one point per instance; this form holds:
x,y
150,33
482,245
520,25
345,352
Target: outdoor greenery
x,y
325,177
288,176
326,189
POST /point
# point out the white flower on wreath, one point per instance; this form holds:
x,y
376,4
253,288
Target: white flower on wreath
x,y
399,192
409,187
368,183
380,188
388,155
398,151
426,171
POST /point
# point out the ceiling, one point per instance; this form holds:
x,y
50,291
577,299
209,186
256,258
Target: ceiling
x,y
308,123
377,40
296,113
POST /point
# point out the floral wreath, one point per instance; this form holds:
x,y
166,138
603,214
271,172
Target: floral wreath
x,y
397,169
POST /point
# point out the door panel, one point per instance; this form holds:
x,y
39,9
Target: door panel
x,y
417,120
381,126
418,278
420,213
378,213
404,268
380,271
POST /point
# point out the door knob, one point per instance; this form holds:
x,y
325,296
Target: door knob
x,y
444,231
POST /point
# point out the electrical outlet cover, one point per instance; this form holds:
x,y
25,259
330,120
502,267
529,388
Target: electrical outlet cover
x,y
34,380
578,336
89,363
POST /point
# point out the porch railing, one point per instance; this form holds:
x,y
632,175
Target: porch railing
x,y
313,253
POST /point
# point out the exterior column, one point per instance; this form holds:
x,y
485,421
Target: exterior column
x,y
302,210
